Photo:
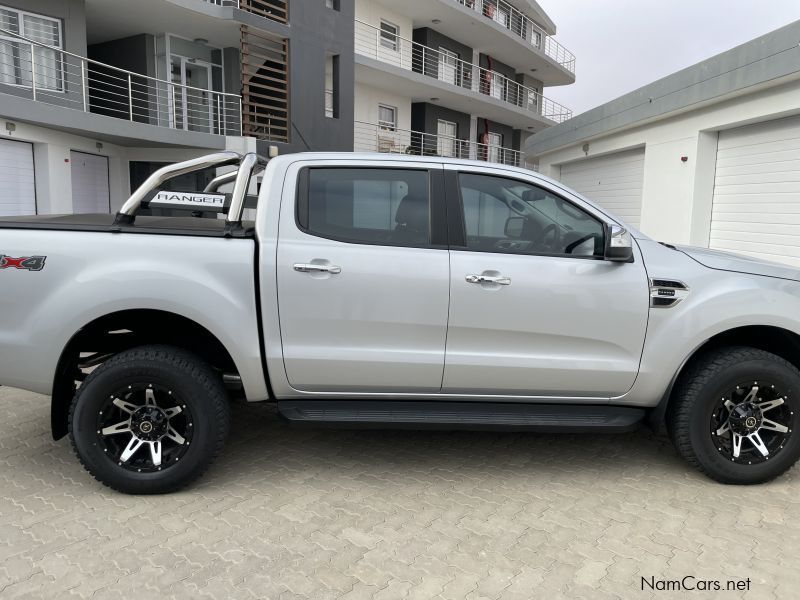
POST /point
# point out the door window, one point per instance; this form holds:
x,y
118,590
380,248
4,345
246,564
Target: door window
x,y
506,215
369,206
447,132
495,147
448,66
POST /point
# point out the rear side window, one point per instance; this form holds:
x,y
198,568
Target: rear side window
x,y
367,206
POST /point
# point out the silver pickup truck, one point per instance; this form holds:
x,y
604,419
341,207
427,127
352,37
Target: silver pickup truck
x,y
390,291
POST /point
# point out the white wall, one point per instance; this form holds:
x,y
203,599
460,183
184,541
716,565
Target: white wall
x,y
367,99
372,12
677,195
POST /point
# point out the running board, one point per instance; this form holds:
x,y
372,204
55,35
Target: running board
x,y
380,414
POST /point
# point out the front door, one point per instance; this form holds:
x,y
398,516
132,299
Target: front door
x,y
193,107
363,280
448,66
495,148
535,311
446,134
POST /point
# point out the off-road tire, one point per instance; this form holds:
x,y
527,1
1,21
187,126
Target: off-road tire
x,y
693,404
200,389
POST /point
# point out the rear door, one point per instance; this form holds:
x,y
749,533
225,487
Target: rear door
x,y
363,278
534,310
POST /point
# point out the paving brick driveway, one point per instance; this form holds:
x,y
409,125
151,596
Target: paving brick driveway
x,y
288,513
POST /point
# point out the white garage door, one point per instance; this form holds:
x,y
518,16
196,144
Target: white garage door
x,y
756,207
89,183
17,183
613,181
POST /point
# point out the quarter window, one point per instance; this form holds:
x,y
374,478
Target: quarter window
x,y
17,63
368,206
506,215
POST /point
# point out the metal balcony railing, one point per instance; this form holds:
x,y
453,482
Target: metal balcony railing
x,y
522,25
376,43
53,76
371,137
277,10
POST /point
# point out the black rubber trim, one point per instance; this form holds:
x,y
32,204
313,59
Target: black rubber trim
x,y
436,414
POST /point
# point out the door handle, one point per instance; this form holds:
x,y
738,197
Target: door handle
x,y
499,279
315,268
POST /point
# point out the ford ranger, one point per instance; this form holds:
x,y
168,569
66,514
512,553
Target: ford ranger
x,y
389,291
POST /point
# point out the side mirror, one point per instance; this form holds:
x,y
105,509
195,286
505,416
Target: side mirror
x,y
618,244
514,227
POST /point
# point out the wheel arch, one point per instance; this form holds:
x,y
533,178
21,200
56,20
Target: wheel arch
x,y
118,331
776,340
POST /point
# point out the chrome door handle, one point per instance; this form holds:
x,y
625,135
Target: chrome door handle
x,y
488,279
315,268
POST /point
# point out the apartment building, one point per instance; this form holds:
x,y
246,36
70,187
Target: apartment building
x,y
97,94
461,78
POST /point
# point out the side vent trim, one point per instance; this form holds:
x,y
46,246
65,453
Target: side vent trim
x,y
666,293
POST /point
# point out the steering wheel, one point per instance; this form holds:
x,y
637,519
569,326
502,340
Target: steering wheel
x,y
552,231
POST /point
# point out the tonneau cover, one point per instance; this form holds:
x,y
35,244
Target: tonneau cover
x,y
193,226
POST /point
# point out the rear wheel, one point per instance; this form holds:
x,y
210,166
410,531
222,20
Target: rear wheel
x,y
149,420
735,414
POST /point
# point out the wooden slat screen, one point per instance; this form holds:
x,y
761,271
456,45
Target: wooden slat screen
x,y
265,85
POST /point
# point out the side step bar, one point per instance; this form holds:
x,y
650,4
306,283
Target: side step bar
x,y
380,414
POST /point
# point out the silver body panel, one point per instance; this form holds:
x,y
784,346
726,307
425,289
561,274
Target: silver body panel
x,y
396,322
91,274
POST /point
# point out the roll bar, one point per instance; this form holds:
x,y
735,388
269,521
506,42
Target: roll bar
x,y
241,177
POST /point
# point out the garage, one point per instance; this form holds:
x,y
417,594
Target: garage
x,y
90,192
756,207
17,182
613,181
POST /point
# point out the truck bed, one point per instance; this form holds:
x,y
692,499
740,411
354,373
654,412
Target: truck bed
x,y
191,226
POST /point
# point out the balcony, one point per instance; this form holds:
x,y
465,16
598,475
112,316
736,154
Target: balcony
x,y
47,75
371,137
462,82
277,10
466,22
519,24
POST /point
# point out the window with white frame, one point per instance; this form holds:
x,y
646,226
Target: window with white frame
x,y
389,35
332,4
23,63
387,117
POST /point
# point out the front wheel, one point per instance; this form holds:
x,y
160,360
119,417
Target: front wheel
x,y
149,420
735,414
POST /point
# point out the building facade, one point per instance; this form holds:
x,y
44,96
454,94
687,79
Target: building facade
x,y
97,94
460,78
708,156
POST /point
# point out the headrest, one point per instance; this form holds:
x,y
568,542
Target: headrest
x,y
412,212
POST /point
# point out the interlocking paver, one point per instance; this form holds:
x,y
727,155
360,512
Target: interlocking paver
x,y
288,513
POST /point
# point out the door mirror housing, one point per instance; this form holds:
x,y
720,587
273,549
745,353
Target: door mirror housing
x,y
618,244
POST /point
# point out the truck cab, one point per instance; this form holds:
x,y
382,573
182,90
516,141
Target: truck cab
x,y
389,291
